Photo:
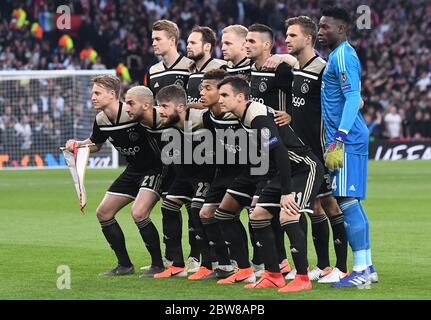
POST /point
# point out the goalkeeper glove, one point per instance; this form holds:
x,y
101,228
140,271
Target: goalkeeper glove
x,y
334,155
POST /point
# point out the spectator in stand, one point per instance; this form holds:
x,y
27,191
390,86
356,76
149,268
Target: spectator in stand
x,y
393,121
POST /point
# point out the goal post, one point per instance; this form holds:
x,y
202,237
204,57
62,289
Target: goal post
x,y
40,110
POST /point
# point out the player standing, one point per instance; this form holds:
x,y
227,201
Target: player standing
x,y
172,69
233,50
271,88
200,46
346,140
307,122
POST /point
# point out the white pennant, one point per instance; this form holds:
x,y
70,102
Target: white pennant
x,y
77,163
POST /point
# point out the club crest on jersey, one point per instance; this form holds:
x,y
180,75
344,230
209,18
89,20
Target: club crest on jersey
x,y
179,82
263,86
343,77
305,88
133,136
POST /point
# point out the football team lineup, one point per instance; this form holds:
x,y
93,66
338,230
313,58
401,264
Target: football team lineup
x,y
246,177
300,177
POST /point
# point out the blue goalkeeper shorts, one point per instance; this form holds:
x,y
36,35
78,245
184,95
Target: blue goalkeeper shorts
x,y
351,179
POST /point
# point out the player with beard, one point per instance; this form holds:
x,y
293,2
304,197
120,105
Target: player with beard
x,y
192,180
308,124
200,46
172,69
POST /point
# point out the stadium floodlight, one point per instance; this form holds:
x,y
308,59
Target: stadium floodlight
x,y
40,111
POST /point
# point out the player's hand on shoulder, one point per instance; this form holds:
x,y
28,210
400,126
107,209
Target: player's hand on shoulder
x,y
282,118
272,62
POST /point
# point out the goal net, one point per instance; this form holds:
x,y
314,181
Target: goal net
x,y
40,111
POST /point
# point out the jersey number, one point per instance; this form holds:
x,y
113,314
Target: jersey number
x,y
203,188
149,183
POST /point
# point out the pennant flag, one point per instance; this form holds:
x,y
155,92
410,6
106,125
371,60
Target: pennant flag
x,y
36,30
77,163
123,71
19,19
66,41
88,54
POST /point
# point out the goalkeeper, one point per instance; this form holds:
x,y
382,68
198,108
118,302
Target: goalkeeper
x,y
346,140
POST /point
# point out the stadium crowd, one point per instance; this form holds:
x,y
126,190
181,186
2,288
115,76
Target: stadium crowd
x,y
395,54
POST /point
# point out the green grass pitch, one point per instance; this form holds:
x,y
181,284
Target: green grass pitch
x,y
41,228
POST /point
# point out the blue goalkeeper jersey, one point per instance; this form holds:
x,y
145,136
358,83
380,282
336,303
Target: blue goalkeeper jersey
x,y
340,97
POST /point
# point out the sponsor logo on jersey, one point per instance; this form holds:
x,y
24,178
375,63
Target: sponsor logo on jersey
x,y
128,151
297,101
156,85
260,100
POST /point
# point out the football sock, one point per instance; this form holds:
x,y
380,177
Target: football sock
x,y
172,231
368,246
320,232
194,249
279,239
298,246
215,239
265,236
233,235
356,231
257,254
151,239
340,241
115,237
201,238
304,225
